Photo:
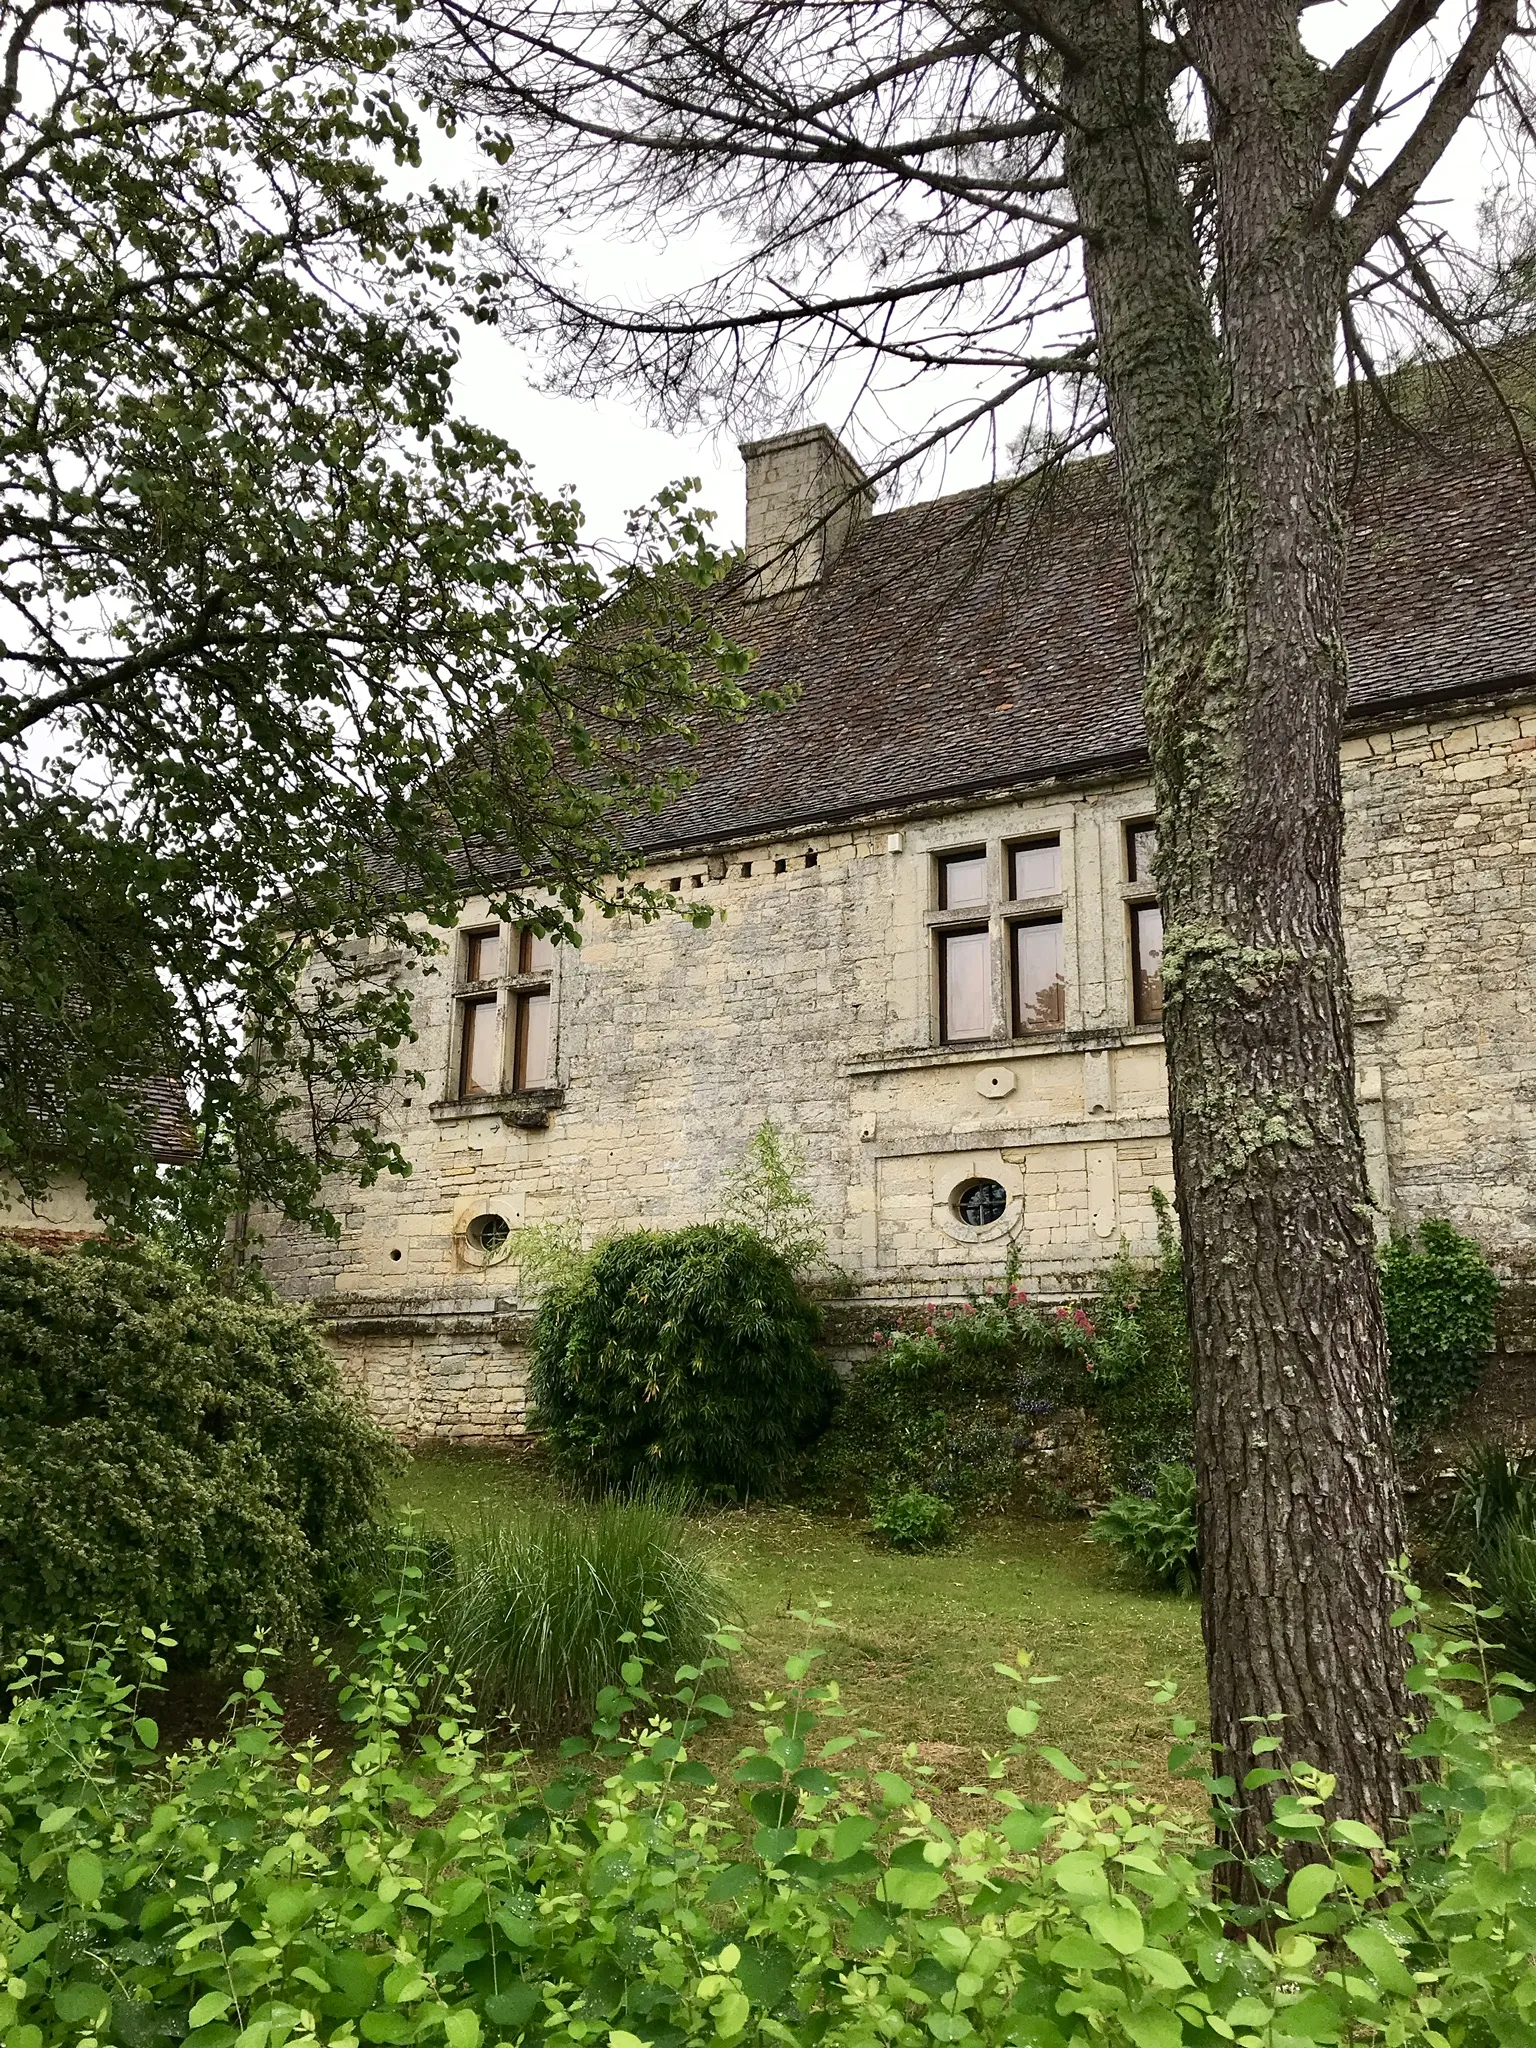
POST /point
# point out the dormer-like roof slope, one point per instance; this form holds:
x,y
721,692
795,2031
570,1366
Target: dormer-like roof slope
x,y
987,641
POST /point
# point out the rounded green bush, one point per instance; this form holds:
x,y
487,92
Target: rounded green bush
x,y
170,1455
914,1520
685,1356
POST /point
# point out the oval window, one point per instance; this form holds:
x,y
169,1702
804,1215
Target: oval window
x,y
980,1201
488,1235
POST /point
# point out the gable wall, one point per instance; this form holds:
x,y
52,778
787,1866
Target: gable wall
x,y
811,998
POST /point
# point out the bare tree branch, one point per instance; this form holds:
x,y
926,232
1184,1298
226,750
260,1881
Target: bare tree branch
x,y
1383,203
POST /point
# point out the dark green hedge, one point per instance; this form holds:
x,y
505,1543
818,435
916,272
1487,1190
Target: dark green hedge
x,y
1438,1294
686,1357
170,1454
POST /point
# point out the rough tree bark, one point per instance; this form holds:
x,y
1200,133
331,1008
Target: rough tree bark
x,y
1225,440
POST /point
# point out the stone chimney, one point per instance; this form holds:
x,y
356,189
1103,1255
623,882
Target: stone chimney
x,y
805,496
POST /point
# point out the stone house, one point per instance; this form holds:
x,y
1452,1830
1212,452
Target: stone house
x,y
935,945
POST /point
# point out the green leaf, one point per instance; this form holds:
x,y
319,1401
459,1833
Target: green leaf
x,y
513,2006
147,1731
1308,1889
1357,1834
1062,1765
1080,1874
913,1890
1024,1832
1153,2026
869,1929
948,2026
461,2028
1116,1921
288,1905
1163,1969
1381,1957
81,2004
851,1833
388,2027
730,1881
85,1876
731,2011
211,2006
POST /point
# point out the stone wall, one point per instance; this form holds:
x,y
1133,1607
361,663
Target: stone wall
x,y
1440,898
811,997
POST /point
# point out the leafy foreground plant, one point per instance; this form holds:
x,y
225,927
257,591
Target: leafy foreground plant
x,y
1159,1537
418,1891
537,1607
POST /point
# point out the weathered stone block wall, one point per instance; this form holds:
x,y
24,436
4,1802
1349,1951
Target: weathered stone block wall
x,y
1440,898
812,998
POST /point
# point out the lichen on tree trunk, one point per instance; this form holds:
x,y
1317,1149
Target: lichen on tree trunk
x,y
1224,426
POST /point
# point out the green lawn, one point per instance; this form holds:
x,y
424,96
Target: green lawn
x,y
916,1637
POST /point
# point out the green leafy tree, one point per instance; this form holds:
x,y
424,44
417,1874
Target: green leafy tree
x,y
684,1357
170,1453
283,641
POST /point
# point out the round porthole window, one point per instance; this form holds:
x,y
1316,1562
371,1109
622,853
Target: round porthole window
x,y
980,1202
488,1235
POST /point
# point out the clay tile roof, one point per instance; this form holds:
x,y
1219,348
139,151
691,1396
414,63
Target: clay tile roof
x,y
987,641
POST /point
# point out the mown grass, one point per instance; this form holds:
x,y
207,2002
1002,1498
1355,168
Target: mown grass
x,y
915,1638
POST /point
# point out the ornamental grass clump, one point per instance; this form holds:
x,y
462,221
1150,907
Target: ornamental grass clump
x,y
1489,1536
535,1610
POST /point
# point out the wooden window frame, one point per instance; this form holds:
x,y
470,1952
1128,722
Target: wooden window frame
x,y
1134,911
974,928
1020,1029
1140,893
942,863
1013,847
524,987
510,992
469,1009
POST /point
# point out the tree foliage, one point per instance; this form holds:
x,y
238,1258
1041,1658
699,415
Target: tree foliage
x,y
767,1192
281,634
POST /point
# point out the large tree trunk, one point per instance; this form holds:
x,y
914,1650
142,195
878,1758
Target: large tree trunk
x,y
1245,679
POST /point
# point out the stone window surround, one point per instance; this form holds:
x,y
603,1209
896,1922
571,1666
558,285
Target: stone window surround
x,y
526,1108
998,915
1110,822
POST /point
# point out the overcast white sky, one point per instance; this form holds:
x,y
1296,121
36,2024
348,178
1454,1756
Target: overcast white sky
x,y
615,459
